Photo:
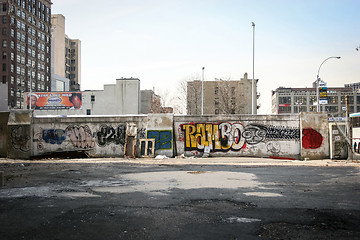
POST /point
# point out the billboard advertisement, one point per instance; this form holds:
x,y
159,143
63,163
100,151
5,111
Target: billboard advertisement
x,y
55,100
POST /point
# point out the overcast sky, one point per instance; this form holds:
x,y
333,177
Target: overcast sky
x,y
162,42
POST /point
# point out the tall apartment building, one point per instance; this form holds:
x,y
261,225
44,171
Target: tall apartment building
x,y
295,100
220,96
25,49
66,57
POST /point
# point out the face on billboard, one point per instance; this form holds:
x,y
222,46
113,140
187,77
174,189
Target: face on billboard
x,y
33,101
75,99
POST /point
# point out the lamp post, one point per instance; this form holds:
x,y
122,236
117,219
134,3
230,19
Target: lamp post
x,y
318,81
298,105
29,73
30,89
202,92
253,78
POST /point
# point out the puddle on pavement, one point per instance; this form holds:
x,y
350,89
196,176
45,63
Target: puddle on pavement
x,y
263,194
78,194
155,182
241,220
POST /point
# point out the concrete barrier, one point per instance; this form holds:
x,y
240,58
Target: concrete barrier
x,y
297,136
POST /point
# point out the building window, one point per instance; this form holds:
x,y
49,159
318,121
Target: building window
x,y
233,90
216,90
216,102
313,108
3,79
333,99
312,100
4,67
351,100
4,43
333,109
4,19
285,109
300,100
285,100
4,55
216,111
93,98
4,7
88,112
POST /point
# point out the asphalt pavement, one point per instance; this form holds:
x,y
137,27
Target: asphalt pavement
x,y
179,198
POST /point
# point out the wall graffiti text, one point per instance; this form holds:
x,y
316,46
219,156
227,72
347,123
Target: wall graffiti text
x,y
80,136
54,136
108,134
234,136
20,139
163,139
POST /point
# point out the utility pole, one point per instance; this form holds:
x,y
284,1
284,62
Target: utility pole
x,y
349,129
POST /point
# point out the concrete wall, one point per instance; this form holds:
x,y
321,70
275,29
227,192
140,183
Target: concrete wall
x,y
4,118
338,144
98,136
20,135
286,136
314,136
238,135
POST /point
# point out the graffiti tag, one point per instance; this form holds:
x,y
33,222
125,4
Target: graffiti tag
x,y
163,139
19,139
80,136
108,134
218,137
54,136
233,136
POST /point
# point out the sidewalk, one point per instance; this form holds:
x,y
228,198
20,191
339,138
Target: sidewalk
x,y
237,161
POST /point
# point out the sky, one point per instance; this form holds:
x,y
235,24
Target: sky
x,y
163,42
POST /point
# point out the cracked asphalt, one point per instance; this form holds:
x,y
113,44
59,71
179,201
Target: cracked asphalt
x,y
213,198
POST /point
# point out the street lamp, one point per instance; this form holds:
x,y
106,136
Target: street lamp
x,y
202,92
30,89
253,78
318,81
298,105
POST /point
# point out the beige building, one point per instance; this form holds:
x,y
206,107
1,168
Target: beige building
x,y
66,56
25,50
220,96
296,100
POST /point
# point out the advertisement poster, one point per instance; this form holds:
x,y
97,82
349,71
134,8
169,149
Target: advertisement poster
x,y
55,100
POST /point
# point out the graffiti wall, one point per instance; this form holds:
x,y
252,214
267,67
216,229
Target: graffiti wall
x,y
338,144
314,136
19,135
221,136
160,127
278,136
98,136
4,118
